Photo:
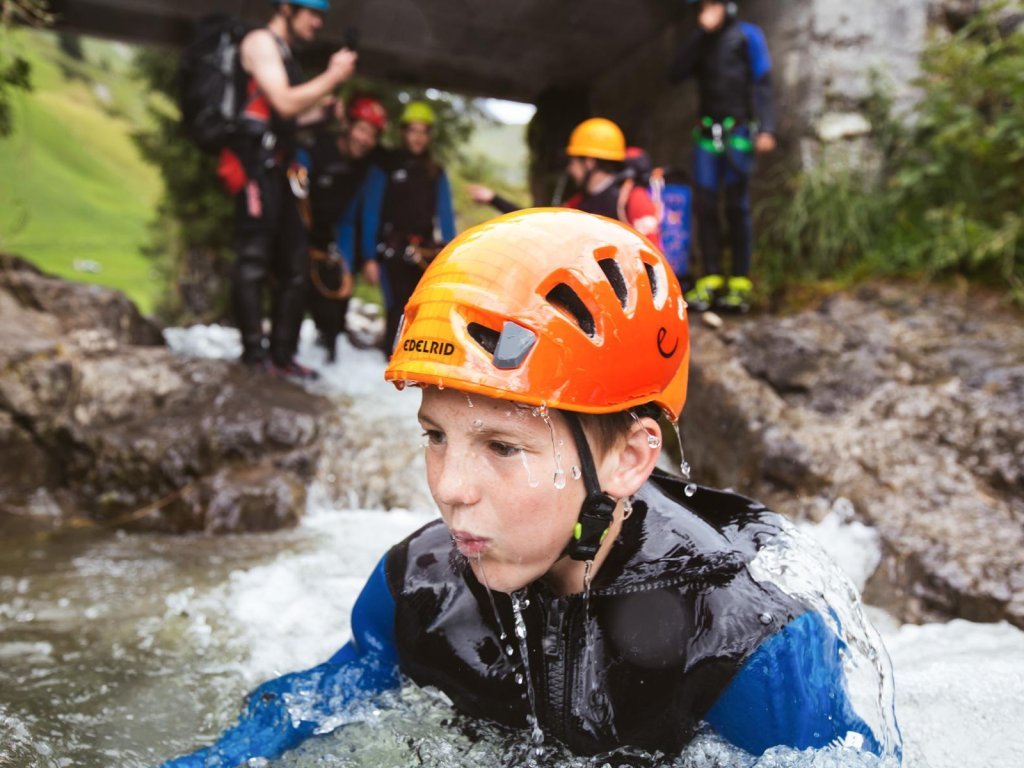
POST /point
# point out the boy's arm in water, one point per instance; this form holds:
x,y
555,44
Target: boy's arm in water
x,y
282,713
792,692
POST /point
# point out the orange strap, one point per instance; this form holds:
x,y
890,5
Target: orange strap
x,y
344,289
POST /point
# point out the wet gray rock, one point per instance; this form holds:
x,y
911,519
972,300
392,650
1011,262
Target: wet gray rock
x,y
118,427
906,402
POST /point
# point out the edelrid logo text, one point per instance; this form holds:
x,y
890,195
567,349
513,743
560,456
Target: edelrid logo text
x,y
428,347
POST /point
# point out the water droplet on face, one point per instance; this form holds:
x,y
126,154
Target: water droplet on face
x,y
478,424
469,401
440,385
765,618
690,489
575,472
559,479
532,481
685,469
653,441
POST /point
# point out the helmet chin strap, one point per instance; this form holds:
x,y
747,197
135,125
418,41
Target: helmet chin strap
x,y
598,508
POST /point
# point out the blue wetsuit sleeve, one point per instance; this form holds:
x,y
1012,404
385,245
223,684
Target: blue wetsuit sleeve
x,y
282,713
792,692
346,236
760,77
372,200
445,213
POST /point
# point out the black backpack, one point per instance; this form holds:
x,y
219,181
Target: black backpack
x,y
211,81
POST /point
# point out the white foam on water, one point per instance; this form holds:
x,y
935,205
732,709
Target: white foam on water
x,y
211,341
852,545
295,610
960,693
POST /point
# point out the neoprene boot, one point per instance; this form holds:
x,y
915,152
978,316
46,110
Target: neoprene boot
x,y
704,293
737,295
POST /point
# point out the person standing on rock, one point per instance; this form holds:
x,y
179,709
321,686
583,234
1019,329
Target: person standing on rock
x,y
570,588
271,237
729,59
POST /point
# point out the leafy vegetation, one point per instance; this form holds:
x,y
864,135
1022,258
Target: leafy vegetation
x,y
76,195
947,197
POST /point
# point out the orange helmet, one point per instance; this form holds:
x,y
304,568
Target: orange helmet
x,y
599,138
553,307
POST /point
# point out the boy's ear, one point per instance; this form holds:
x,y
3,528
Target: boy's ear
x,y
626,467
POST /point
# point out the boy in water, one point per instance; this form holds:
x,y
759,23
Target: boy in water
x,y
570,586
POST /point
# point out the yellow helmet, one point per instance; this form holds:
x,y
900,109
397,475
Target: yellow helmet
x,y
418,112
599,138
553,307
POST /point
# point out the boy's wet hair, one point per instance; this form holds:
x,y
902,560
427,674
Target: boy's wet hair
x,y
604,430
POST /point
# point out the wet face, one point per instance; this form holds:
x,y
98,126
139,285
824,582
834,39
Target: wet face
x,y
416,137
362,138
306,22
491,469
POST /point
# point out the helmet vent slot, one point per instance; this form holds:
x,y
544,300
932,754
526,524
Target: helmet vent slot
x,y
565,299
652,278
484,336
613,272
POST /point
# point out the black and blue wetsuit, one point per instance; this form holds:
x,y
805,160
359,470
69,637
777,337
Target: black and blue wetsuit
x,y
679,633
733,72
406,199
334,180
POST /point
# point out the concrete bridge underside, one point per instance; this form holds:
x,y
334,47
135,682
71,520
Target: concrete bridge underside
x,y
513,49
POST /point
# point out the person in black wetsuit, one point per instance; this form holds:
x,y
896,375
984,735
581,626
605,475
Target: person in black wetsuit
x,y
407,214
569,585
259,167
338,164
729,59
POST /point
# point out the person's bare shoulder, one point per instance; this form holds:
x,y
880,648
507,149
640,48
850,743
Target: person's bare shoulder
x,y
256,47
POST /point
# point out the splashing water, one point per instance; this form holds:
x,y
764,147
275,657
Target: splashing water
x,y
684,465
652,439
794,562
490,595
532,481
519,602
559,476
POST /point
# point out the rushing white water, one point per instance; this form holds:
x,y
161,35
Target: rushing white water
x,y
122,650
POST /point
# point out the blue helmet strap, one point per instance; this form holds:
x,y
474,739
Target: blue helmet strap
x,y
598,508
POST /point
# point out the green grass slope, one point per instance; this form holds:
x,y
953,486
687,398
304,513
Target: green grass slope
x,y
74,193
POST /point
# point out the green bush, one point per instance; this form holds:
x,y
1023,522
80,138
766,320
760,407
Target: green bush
x,y
948,197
